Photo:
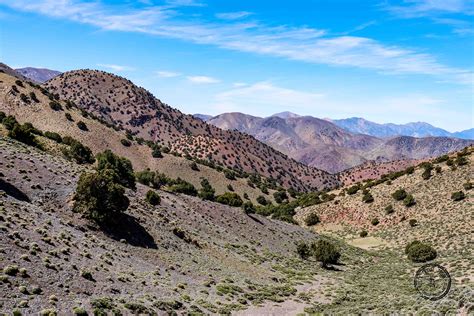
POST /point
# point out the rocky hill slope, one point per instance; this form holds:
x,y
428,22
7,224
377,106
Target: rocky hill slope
x,y
324,145
119,102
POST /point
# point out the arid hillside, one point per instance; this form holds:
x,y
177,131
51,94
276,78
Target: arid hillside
x,y
99,137
121,103
324,145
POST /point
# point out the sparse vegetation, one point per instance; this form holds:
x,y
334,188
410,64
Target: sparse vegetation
x,y
152,197
458,196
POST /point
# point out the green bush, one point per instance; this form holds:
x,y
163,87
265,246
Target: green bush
x,y
413,222
9,122
426,175
409,200
389,209
77,151
33,97
230,198
248,207
467,185
312,219
194,166
420,252
375,221
152,197
181,186
399,195
53,136
280,196
325,252
367,198
262,200
121,166
207,192
363,234
461,161
24,134
68,117
353,189
156,153
458,196
126,142
55,106
82,126
229,174
99,197
303,250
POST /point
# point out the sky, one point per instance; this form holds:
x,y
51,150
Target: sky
x,y
383,60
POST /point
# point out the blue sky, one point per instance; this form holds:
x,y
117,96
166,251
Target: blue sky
x,y
386,61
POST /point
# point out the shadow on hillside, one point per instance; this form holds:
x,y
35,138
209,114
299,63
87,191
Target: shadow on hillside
x,y
129,229
13,191
255,219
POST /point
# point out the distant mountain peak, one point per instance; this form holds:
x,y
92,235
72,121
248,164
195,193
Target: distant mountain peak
x,y
285,115
39,75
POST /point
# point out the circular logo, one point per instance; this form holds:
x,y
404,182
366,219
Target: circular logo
x,y
432,281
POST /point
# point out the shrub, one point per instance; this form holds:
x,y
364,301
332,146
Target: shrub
x,y
368,198
79,311
280,196
152,197
230,198
410,170
399,195
312,219
248,207
413,222
467,186
303,250
9,122
82,126
262,200
55,106
53,136
77,151
68,117
33,97
409,200
121,166
426,175
420,252
2,115
24,98
156,153
375,221
230,187
23,133
353,189
181,186
229,174
458,196
325,252
207,192
194,166
461,161
438,169
99,197
389,209
363,234
125,142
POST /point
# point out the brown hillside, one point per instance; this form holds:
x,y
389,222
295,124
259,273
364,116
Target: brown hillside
x,y
120,102
100,137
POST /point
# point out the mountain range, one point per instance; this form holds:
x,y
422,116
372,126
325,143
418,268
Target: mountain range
x,y
38,75
324,145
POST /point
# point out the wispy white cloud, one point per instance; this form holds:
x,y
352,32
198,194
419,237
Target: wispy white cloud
x,y
296,43
167,74
422,8
116,67
233,15
202,79
263,98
